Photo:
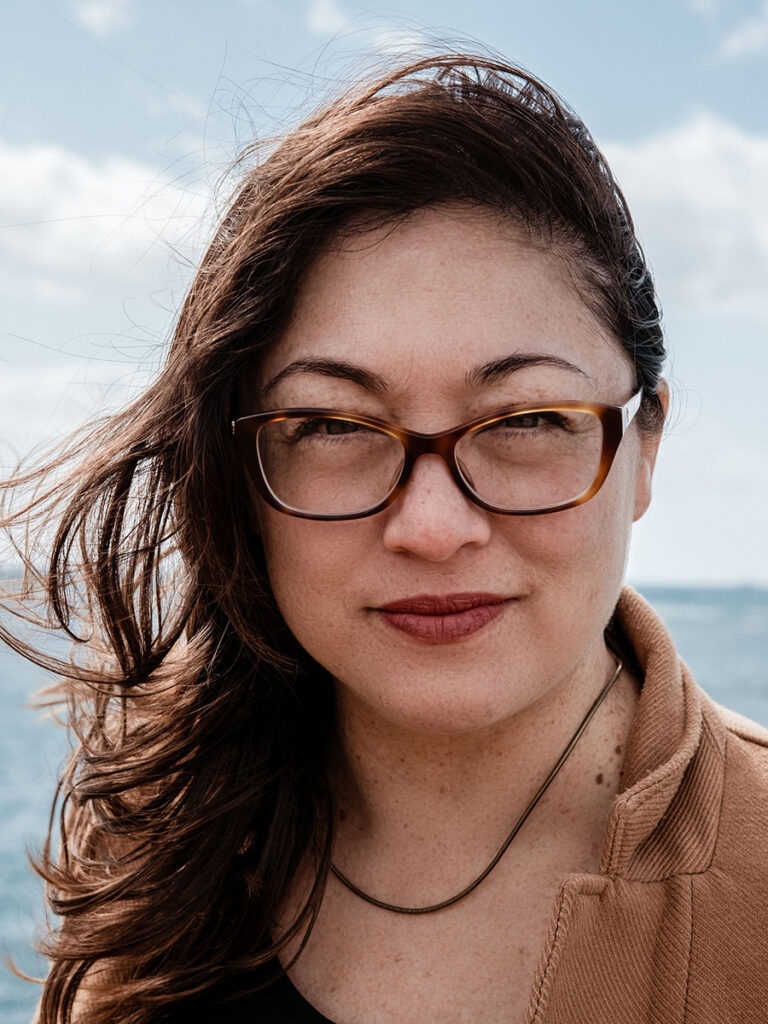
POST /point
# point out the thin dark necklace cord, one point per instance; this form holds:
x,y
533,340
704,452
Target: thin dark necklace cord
x,y
516,828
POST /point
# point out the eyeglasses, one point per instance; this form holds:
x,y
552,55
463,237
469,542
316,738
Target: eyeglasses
x,y
524,460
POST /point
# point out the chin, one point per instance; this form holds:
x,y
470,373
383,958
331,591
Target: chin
x,y
431,707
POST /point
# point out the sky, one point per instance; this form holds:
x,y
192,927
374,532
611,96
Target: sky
x,y
119,119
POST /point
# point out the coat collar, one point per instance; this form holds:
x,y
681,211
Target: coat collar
x,y
664,821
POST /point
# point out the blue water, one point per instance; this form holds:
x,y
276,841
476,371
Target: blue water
x,y
722,634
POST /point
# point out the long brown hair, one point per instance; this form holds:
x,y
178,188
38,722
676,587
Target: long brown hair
x,y
199,781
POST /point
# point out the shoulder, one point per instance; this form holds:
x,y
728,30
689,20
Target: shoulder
x,y
744,745
752,733
742,844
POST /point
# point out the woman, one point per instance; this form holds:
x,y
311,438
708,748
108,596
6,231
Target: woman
x,y
369,729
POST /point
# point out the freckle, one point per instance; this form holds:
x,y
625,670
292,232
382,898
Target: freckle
x,y
618,749
442,789
599,779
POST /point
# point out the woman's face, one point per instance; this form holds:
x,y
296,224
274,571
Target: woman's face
x,y
420,309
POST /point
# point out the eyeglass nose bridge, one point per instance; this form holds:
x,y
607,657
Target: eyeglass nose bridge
x,y
444,446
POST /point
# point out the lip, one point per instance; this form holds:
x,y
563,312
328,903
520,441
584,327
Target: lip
x,y
443,618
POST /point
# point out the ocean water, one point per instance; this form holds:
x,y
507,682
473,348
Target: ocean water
x,y
722,635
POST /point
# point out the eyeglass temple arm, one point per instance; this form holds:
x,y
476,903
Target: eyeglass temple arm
x,y
630,408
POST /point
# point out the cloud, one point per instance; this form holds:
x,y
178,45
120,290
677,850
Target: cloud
x,y
72,228
325,17
42,403
378,34
95,256
398,41
707,10
186,105
698,197
698,533
748,37
103,17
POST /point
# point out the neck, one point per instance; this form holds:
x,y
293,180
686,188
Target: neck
x,y
409,801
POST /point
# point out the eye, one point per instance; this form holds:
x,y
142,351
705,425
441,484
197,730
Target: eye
x,y
342,427
321,427
531,421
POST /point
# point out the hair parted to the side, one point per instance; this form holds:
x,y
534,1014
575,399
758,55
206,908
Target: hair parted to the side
x,y
199,781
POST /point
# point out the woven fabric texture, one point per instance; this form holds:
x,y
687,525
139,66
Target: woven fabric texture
x,y
674,928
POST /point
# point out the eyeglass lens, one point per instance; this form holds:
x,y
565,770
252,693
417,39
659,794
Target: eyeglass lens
x,y
332,466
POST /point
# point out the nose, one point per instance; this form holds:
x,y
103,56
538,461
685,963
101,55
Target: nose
x,y
432,518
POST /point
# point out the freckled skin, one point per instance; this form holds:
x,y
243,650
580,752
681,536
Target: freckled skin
x,y
599,779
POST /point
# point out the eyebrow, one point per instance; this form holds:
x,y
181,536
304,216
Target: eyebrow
x,y
497,369
366,379
487,373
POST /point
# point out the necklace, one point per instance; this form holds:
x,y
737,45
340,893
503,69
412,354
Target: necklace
x,y
515,829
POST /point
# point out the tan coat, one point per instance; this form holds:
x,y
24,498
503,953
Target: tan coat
x,y
674,928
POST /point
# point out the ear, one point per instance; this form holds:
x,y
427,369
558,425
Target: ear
x,y
649,447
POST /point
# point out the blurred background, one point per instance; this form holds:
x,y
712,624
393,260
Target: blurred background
x,y
118,122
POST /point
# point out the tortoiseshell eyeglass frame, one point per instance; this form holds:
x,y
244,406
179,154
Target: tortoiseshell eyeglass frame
x,y
614,418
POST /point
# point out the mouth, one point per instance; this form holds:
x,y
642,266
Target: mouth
x,y
443,618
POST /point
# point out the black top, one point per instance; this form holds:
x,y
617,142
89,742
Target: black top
x,y
279,1003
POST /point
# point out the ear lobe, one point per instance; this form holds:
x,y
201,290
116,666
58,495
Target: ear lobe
x,y
649,449
662,390
643,489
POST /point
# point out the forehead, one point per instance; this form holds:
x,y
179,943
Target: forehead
x,y
423,300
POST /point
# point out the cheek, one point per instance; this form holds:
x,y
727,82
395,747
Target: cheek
x,y
308,564
583,550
